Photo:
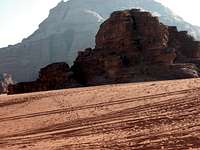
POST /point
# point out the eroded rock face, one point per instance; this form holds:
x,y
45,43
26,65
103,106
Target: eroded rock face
x,y
184,43
134,46
71,26
52,77
5,81
132,29
56,72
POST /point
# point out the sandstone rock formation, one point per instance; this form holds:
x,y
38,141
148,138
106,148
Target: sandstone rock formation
x,y
188,50
52,77
72,26
132,45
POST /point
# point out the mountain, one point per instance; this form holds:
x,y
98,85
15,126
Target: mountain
x,y
70,27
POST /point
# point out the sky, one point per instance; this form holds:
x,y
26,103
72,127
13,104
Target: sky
x,y
189,10
20,18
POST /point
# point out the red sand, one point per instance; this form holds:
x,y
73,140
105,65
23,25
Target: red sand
x,y
151,115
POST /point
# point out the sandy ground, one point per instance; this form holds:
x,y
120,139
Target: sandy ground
x,y
151,115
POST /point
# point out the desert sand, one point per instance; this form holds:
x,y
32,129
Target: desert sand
x,y
151,115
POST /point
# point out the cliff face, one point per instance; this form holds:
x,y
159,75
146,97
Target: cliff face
x,y
188,49
72,26
131,45
134,46
5,81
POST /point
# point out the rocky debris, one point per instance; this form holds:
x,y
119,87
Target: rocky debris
x,y
5,81
52,77
134,46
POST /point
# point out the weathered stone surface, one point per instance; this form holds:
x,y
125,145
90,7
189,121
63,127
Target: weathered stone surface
x,y
174,71
52,77
134,46
160,56
131,45
1,89
71,26
56,72
5,81
187,48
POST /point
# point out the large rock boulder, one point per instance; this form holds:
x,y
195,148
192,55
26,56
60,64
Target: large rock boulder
x,y
52,77
132,45
56,72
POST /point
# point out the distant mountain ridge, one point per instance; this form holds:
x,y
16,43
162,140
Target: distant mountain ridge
x,y
70,27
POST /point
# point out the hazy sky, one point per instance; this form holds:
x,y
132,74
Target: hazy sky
x,y
189,10
20,18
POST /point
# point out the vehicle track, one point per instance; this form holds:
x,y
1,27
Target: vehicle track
x,y
96,105
171,122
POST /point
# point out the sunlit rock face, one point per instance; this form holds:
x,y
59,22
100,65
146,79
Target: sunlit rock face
x,y
5,81
72,26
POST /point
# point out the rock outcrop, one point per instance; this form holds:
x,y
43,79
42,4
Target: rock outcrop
x,y
188,50
52,77
132,45
5,81
72,26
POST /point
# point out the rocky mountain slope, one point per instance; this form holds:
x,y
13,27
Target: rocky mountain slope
x,y
72,26
131,46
